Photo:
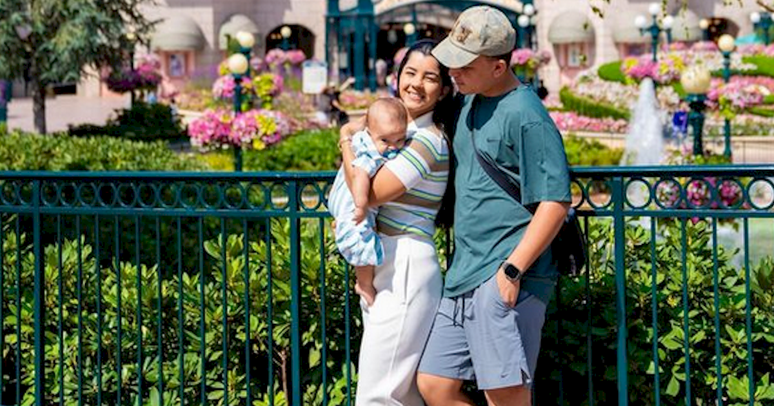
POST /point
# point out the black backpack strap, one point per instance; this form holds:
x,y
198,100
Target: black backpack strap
x,y
512,189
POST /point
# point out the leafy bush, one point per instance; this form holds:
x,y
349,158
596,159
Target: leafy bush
x,y
141,122
24,151
565,345
585,152
612,72
590,108
564,339
199,296
311,150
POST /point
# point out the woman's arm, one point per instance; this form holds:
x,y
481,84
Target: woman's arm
x,y
385,186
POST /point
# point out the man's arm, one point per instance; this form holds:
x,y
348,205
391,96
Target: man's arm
x,y
545,225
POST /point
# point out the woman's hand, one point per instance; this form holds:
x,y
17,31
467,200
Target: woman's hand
x,y
349,129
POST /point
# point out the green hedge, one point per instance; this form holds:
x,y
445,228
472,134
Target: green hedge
x,y
312,150
765,65
611,72
141,122
585,152
25,151
761,111
590,108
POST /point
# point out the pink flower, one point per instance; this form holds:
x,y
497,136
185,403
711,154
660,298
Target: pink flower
x,y
279,85
251,129
257,64
224,86
295,57
678,46
571,121
521,56
275,57
705,46
741,91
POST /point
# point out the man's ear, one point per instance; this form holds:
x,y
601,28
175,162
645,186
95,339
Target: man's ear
x,y
500,68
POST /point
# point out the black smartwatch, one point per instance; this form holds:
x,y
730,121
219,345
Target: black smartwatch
x,y
512,272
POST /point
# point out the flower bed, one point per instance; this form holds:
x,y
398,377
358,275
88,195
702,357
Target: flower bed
x,y
669,67
740,93
568,121
256,129
620,95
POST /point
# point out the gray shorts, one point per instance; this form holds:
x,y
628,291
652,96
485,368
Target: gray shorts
x,y
476,336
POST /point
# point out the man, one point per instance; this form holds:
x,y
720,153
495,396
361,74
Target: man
x,y
489,323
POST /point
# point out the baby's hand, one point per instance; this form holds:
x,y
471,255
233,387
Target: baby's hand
x,y
360,215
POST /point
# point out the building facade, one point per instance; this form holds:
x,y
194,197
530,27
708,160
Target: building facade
x,y
352,34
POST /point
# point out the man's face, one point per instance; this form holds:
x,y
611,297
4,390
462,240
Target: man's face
x,y
477,77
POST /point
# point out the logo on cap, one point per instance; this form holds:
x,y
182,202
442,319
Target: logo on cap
x,y
463,33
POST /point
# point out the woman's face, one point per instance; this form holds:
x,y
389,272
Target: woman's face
x,y
420,84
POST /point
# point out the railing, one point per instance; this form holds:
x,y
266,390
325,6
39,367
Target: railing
x,y
226,289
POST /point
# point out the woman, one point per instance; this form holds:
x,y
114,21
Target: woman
x,y
409,190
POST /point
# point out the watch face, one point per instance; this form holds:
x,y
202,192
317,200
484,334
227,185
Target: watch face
x,y
511,271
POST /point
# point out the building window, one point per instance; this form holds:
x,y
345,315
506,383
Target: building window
x,y
177,65
635,49
574,55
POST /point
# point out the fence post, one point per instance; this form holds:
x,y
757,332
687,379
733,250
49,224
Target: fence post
x,y
40,379
619,229
295,286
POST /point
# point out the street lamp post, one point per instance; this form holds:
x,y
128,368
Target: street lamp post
x,y
655,29
726,44
246,42
762,21
5,97
526,22
411,33
238,66
696,81
285,32
704,24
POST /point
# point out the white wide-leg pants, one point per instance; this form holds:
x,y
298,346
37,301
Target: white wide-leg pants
x,y
397,325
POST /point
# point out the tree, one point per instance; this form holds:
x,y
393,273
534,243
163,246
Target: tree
x,y
53,41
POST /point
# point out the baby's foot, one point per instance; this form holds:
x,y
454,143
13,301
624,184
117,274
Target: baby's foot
x,y
368,293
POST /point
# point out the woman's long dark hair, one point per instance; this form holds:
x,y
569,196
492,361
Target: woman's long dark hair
x,y
445,117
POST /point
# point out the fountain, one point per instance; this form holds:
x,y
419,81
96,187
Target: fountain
x,y
645,138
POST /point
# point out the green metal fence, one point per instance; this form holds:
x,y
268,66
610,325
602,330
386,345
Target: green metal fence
x,y
226,289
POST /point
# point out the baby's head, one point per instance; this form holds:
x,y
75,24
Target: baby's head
x,y
386,121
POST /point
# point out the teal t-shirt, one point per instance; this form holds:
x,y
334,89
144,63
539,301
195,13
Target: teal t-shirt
x,y
516,132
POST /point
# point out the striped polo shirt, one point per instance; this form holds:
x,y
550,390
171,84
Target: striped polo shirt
x,y
423,168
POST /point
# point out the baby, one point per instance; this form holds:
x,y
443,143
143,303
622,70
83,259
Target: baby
x,y
385,133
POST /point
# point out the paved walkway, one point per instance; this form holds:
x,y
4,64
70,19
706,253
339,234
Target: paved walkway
x,y
62,111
